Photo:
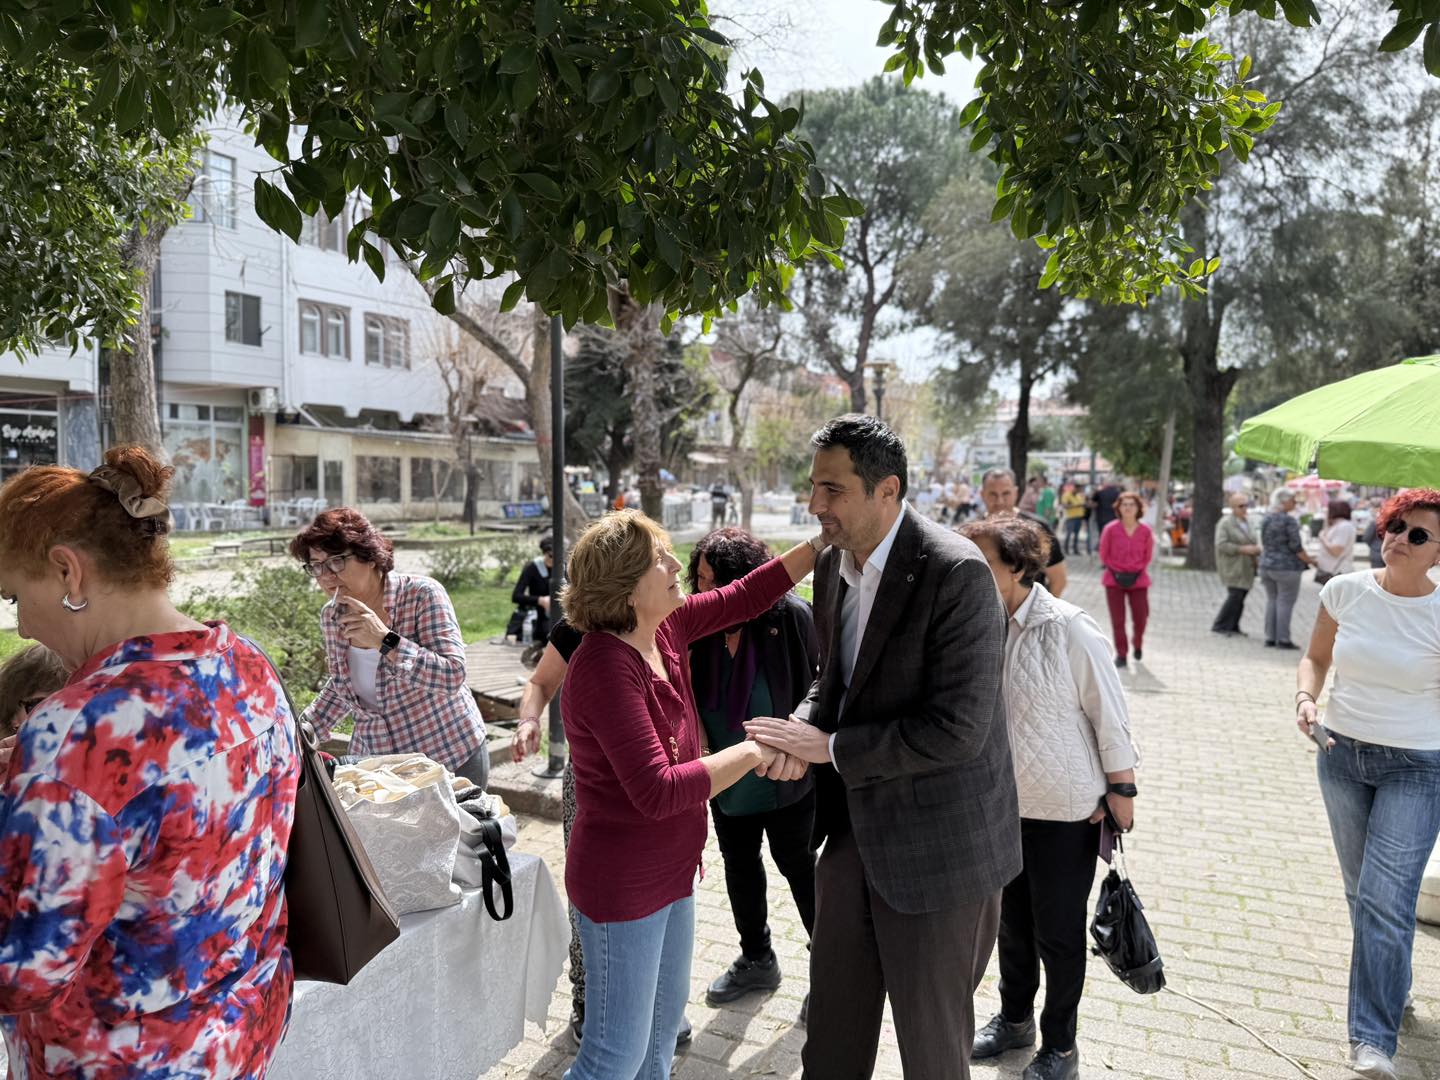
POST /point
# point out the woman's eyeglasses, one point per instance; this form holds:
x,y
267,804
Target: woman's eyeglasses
x,y
335,564
1418,537
29,705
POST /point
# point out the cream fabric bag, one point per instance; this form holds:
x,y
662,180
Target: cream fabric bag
x,y
403,807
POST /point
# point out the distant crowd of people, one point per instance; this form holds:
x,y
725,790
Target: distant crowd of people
x,y
929,750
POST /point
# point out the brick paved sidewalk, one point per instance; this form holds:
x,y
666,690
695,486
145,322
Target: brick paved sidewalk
x,y
1231,855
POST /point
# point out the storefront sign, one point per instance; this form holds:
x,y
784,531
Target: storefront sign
x,y
257,461
28,431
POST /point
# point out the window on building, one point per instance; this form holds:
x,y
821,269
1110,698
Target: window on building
x,y
429,475
387,342
334,490
207,448
242,318
296,476
213,197
324,329
320,232
531,486
377,479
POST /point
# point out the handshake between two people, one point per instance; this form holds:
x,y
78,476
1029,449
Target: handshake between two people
x,y
790,746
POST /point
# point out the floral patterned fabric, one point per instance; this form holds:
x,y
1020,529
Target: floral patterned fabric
x,y
143,828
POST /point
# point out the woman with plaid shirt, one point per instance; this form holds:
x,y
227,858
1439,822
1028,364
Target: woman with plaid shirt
x,y
393,648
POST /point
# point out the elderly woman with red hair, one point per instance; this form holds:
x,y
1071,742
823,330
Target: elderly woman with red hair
x,y
393,648
1380,768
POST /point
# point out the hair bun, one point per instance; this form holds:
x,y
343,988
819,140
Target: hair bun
x,y
150,473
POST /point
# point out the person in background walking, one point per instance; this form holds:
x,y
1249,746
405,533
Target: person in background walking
x,y
1337,543
1073,756
1045,504
1030,497
1380,631
393,649
1236,556
719,500
1106,496
1282,562
147,806
1374,539
641,782
764,667
1126,546
1073,509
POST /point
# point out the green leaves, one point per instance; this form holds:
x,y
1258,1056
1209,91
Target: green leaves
x,y
1403,35
312,24
277,210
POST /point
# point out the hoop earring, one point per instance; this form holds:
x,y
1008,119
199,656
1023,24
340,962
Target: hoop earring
x,y
68,606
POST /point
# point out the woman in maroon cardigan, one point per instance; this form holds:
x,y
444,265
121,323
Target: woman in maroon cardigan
x,y
641,783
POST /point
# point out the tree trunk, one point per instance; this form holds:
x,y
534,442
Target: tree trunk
x,y
134,397
1019,434
856,380
537,401
640,329
1209,391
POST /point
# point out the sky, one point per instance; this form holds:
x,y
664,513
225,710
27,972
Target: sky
x,y
822,44
816,44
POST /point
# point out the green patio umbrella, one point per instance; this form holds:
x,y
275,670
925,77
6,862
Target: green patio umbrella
x,y
1382,428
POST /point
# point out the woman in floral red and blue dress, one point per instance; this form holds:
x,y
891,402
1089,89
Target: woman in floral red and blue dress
x,y
146,807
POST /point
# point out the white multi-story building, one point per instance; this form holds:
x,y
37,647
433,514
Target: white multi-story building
x,y
285,372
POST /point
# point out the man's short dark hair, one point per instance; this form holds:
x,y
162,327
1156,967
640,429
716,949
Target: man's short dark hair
x,y
875,450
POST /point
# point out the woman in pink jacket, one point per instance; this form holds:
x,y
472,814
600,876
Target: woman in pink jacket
x,y
1125,549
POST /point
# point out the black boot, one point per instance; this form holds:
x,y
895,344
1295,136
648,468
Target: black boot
x,y
1000,1035
743,977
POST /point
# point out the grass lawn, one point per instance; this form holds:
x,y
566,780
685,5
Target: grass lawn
x,y
11,643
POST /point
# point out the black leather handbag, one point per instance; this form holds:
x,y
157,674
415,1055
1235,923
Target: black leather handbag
x,y
1122,935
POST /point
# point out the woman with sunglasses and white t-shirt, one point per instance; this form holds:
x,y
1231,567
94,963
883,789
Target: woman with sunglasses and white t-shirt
x,y
393,648
1380,776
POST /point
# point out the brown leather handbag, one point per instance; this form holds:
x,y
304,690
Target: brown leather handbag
x,y
339,916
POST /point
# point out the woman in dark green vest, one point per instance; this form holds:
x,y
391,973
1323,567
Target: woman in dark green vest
x,y
761,668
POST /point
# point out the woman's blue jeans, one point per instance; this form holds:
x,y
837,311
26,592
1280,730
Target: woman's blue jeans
x,y
637,980
1384,808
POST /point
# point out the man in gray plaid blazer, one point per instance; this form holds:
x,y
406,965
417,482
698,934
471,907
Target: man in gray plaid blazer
x,y
915,790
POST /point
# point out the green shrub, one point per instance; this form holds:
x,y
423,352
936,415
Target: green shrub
x,y
279,608
470,564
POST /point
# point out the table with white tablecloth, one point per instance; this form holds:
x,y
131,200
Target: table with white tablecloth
x,y
447,1001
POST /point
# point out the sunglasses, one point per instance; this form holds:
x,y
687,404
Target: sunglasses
x,y
29,705
335,564
1418,537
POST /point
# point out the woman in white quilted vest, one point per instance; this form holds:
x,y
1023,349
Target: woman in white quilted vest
x,y
1070,741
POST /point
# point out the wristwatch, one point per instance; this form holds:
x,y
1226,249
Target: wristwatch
x,y
1125,790
389,642
818,543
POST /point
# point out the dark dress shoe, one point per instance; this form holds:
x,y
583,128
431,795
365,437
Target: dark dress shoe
x,y
1000,1035
687,1031
1120,662
1286,645
1052,1065
744,976
1269,644
1138,656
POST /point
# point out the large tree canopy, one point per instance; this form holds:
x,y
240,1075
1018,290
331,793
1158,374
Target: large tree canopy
x,y
570,145
1108,117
